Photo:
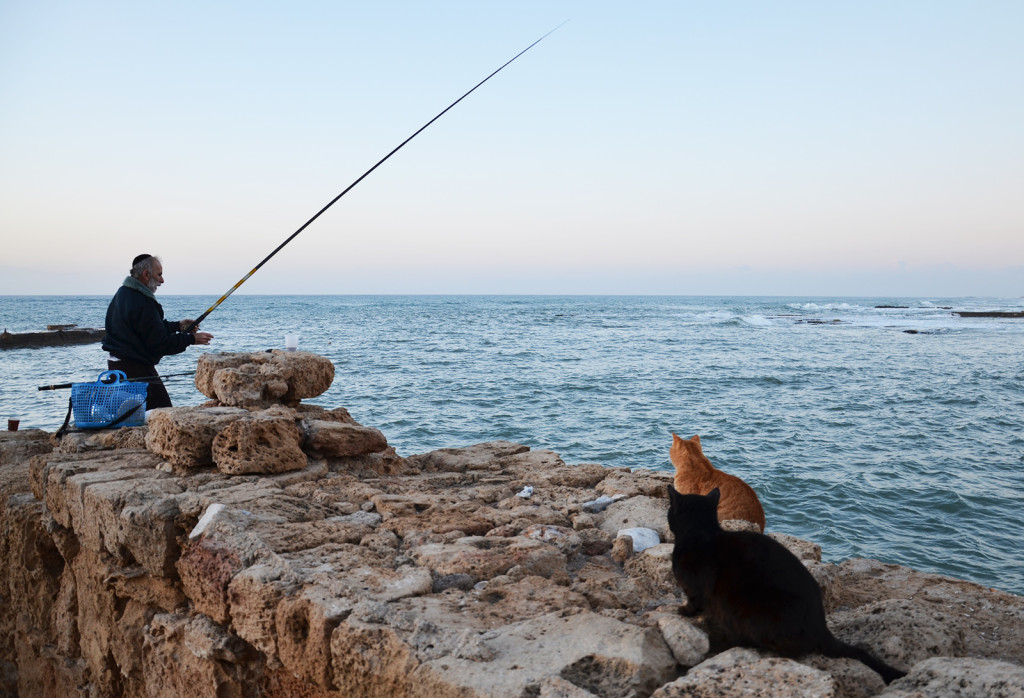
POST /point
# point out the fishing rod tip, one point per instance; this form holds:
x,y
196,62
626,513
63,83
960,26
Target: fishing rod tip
x,y
559,26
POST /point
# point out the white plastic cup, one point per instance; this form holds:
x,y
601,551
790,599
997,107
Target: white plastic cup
x,y
291,342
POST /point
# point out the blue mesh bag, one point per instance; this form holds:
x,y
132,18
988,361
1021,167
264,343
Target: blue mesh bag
x,y
111,401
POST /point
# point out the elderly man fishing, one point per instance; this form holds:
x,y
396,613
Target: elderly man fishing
x,y
137,336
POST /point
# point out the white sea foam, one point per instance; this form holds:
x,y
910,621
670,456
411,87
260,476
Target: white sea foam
x,y
815,307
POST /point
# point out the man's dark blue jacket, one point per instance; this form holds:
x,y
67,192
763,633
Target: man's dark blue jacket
x,y
137,331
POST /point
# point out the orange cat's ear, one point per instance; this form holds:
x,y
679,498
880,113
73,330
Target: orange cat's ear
x,y
696,440
675,438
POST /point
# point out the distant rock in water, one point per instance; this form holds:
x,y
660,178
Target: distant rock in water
x,y
990,313
58,336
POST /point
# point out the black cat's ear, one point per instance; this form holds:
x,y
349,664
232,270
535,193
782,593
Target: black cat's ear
x,y
714,495
672,494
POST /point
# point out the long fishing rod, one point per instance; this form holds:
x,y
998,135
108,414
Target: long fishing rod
x,y
195,323
148,379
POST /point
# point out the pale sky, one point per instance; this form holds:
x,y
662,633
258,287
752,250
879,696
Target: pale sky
x,y
763,148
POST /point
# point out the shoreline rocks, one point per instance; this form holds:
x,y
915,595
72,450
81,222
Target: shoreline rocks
x,y
151,564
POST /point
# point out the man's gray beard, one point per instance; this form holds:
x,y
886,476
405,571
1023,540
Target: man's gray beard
x,y
152,286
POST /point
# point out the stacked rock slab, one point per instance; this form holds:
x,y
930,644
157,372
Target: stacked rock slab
x,y
176,570
255,422
263,379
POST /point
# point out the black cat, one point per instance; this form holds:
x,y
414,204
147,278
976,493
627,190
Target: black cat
x,y
752,590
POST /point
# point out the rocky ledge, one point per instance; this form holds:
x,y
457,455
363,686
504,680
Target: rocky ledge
x,y
258,546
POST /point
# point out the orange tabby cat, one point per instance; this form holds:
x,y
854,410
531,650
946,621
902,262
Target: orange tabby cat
x,y
696,475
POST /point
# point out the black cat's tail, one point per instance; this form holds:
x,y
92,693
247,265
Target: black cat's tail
x,y
835,647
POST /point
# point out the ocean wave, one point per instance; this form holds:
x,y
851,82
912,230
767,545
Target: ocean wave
x,y
815,307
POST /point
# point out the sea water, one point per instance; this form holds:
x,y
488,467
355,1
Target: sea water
x,y
894,433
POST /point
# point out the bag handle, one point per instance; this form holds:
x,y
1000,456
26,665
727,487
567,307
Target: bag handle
x,y
112,377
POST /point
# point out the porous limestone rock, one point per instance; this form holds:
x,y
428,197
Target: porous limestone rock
x,y
206,569
310,413
805,551
958,677
114,504
427,576
597,654
336,439
469,459
853,679
640,511
739,525
689,644
269,441
568,541
827,577
654,564
635,482
485,557
745,672
192,656
996,618
100,439
643,537
262,379
184,436
903,631
622,549
18,446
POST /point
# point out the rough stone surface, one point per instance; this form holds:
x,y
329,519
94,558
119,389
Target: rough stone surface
x,y
262,442
640,511
745,672
592,652
653,564
804,550
262,379
740,525
903,631
689,644
955,677
342,440
100,439
16,446
991,620
853,679
827,577
184,435
149,572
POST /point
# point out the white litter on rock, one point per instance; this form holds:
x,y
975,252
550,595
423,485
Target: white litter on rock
x,y
526,492
205,519
601,503
643,538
